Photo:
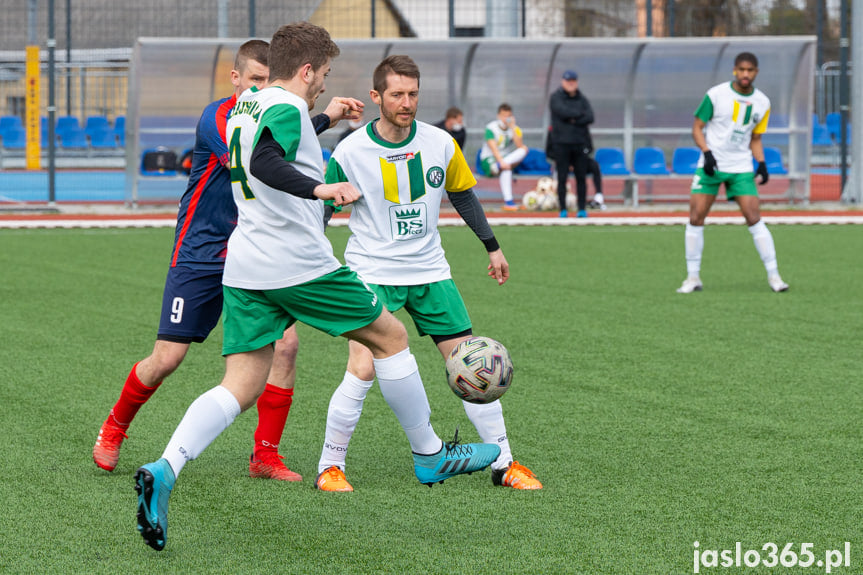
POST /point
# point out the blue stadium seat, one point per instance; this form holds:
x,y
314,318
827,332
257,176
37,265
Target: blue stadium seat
x,y
327,153
103,140
15,139
8,123
72,139
685,160
120,130
611,162
773,159
650,161
820,135
534,164
67,124
97,124
833,122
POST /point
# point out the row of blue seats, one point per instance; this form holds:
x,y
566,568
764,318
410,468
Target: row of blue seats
x,y
97,133
648,161
830,132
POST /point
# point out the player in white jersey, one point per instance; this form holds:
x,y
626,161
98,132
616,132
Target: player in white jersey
x,y
728,126
403,167
280,269
502,150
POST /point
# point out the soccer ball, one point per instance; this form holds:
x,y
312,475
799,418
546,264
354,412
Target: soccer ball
x,y
530,200
479,370
548,202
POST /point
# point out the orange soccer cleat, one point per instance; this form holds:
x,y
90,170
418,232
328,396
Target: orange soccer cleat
x,y
516,476
333,479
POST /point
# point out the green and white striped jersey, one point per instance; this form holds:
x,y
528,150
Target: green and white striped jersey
x,y
731,118
395,239
279,240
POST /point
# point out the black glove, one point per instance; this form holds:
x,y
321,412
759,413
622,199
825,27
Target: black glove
x,y
762,171
709,163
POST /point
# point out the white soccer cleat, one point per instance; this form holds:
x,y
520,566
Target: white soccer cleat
x,y
776,284
690,285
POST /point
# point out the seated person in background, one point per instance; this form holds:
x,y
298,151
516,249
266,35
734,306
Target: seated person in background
x,y
502,151
453,123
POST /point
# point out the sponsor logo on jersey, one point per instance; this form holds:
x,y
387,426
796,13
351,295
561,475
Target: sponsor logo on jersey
x,y
408,221
400,157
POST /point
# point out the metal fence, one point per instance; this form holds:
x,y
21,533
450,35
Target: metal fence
x,y
93,39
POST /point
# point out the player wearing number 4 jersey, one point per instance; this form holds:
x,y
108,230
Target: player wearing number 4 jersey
x,y
403,167
280,269
192,300
727,127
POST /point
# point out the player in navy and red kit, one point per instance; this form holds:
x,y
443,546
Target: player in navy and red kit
x,y
192,300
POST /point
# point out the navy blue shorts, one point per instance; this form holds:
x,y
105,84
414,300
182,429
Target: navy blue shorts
x,y
191,304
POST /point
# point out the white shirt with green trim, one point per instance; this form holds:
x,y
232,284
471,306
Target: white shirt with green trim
x,y
279,240
503,137
395,238
731,118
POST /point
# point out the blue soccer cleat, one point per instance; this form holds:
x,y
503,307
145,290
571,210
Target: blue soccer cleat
x,y
154,483
581,214
454,459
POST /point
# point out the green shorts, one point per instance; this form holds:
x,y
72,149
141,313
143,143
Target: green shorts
x,y
436,308
486,166
334,303
735,184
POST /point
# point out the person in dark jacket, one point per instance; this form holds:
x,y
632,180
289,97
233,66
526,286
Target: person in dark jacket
x,y
454,124
571,114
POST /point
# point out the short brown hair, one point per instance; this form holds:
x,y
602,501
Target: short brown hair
x,y
297,44
399,65
453,113
256,50
504,108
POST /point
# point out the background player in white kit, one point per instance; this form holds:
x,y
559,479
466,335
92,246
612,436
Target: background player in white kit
x,y
727,127
402,167
280,269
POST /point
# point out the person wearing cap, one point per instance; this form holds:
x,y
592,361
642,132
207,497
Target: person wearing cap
x,y
571,114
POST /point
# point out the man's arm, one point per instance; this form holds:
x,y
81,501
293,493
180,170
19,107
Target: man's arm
x,y
468,207
698,134
268,164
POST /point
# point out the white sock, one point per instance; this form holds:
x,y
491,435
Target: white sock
x,y
506,185
403,390
694,243
206,418
346,406
764,244
488,420
598,198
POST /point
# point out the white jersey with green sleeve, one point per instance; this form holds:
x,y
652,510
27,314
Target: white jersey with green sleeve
x,y
731,118
395,238
503,137
279,240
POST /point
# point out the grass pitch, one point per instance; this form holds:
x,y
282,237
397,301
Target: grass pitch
x,y
653,419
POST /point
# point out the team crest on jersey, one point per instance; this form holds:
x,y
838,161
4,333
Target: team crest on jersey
x,y
408,221
435,177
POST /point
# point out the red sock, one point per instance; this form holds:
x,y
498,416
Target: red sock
x,y
134,395
273,407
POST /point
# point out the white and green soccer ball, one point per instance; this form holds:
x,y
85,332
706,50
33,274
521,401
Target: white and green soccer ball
x,y
479,370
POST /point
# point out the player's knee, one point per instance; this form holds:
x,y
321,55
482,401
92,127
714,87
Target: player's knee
x,y
288,347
